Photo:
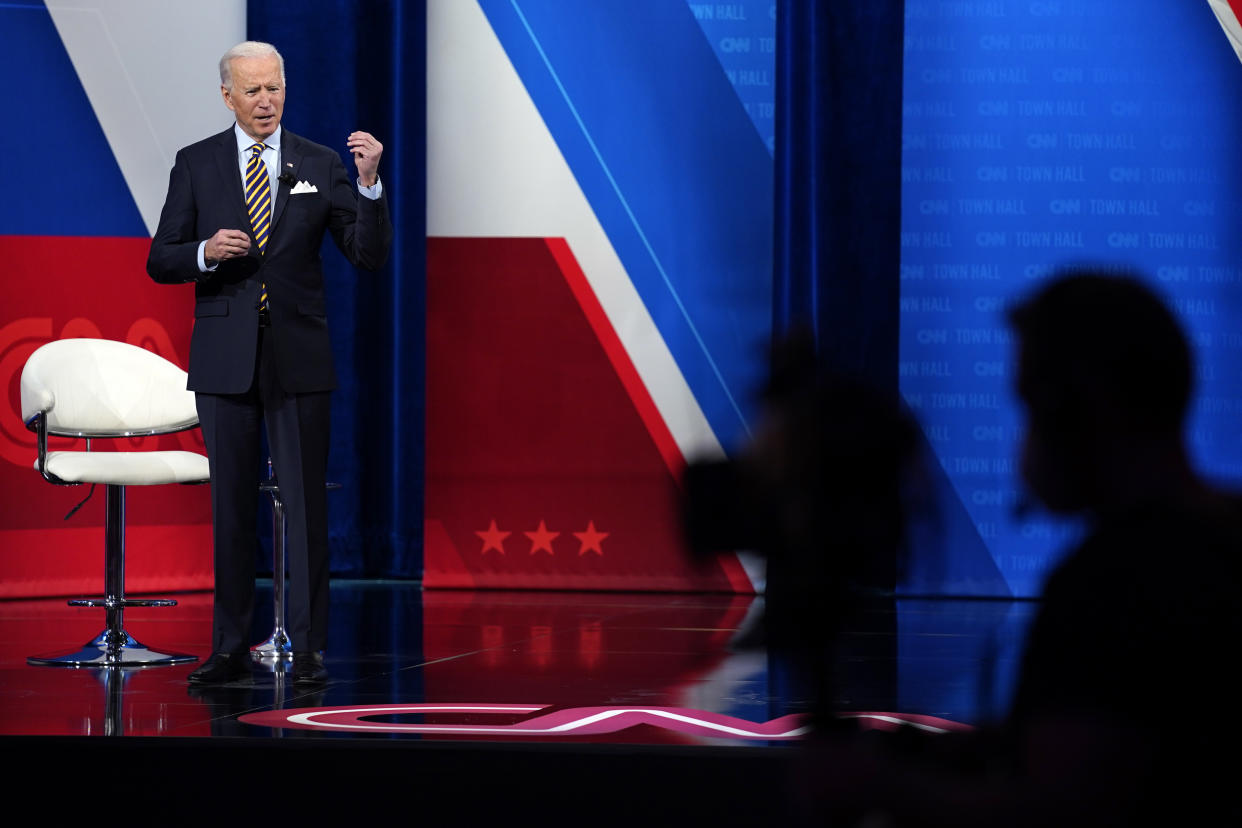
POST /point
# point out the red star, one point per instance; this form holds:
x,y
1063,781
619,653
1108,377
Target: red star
x,y
541,538
493,538
591,539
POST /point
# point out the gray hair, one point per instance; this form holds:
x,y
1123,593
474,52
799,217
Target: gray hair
x,y
247,49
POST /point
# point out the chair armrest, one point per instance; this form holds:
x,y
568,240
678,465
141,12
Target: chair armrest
x,y
38,424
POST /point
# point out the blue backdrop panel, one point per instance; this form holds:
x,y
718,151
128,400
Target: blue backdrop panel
x,y
661,145
56,154
743,36
362,66
1041,134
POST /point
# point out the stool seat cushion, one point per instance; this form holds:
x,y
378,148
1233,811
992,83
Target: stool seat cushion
x,y
128,468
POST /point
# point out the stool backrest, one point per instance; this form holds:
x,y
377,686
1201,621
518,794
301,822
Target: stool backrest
x,y
103,388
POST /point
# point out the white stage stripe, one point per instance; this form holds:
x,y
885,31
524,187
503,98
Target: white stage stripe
x,y
894,720
1229,22
493,169
149,71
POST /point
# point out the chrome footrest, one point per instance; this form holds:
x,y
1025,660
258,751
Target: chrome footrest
x,y
114,603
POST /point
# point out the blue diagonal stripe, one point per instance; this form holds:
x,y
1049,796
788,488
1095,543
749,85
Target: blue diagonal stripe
x,y
673,169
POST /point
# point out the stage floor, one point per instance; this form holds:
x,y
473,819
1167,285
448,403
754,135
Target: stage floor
x,y
409,664
475,707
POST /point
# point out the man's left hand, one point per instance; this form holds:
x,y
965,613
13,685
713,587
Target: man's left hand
x,y
367,153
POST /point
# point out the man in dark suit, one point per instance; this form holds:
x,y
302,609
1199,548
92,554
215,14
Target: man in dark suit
x,y
244,220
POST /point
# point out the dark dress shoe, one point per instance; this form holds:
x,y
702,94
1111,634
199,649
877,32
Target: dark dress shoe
x,y
222,668
308,668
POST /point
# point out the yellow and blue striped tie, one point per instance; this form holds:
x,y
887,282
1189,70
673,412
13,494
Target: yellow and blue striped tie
x,y
259,203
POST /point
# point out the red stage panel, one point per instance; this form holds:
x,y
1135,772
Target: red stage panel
x,y
58,287
548,466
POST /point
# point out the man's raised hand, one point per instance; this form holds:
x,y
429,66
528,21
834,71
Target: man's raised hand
x,y
367,153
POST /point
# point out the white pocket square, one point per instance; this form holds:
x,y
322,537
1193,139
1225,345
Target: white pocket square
x,y
304,187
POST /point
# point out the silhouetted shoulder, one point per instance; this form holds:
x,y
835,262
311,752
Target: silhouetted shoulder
x,y
1135,620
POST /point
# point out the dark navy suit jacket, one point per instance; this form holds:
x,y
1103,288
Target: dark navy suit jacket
x,y
205,195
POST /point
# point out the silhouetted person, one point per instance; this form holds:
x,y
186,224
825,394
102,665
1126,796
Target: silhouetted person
x,y
1123,709
1139,625
818,494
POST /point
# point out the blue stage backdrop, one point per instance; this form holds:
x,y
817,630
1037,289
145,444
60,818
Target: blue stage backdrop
x,y
361,66
743,36
1039,135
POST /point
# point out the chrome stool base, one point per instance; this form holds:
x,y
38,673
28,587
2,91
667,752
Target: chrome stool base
x,y
110,649
277,647
114,647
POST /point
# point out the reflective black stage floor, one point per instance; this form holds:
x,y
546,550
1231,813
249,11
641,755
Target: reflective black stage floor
x,y
483,701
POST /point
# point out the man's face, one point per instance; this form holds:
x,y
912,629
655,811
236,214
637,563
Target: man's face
x,y
258,95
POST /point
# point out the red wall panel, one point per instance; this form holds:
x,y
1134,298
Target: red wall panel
x,y
60,287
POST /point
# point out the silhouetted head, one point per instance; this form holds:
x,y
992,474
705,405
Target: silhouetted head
x,y
1105,375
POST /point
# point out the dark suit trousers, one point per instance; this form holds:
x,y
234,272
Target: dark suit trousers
x,y
297,433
